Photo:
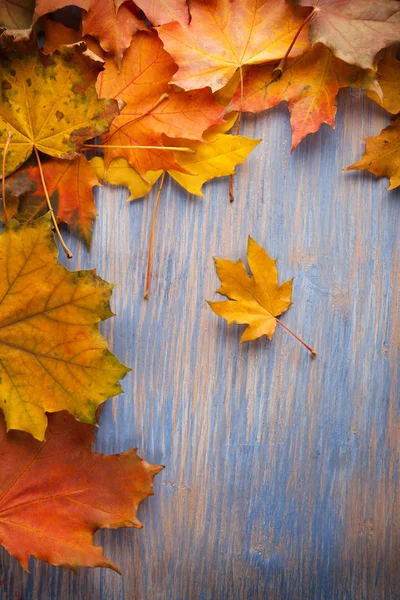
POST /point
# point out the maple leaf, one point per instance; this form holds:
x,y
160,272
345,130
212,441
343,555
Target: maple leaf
x,y
255,300
309,84
389,80
152,108
113,23
50,104
160,12
70,187
355,30
382,155
52,356
225,35
55,494
217,156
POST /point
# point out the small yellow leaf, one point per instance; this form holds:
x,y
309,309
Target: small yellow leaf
x,y
217,157
121,173
254,300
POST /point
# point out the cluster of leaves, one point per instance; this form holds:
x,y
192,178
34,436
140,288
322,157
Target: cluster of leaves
x,y
161,83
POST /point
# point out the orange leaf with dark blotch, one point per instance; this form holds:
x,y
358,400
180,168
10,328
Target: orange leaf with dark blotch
x,y
160,12
388,76
55,494
70,187
225,35
355,30
111,22
153,108
382,155
52,355
309,84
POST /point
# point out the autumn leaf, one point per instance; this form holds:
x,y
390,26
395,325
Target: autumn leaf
x,y
388,76
217,156
255,300
120,172
112,22
355,30
52,356
55,494
152,108
382,155
16,187
70,187
309,84
160,12
16,15
225,35
50,104
57,35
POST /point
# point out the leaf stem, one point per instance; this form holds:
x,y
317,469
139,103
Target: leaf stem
x,y
175,149
150,251
277,73
231,192
314,354
67,251
3,173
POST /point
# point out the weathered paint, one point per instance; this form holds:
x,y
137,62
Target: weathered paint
x,y
282,472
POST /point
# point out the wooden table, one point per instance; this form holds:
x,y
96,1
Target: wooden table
x,y
281,479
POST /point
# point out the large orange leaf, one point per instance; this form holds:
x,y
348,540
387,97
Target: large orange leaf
x,y
50,103
52,355
113,23
55,494
70,187
309,84
225,35
164,11
153,108
382,155
355,30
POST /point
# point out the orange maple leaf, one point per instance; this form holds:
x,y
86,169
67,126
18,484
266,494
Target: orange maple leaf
x,y
70,187
309,84
55,494
153,108
225,35
164,11
111,22
355,30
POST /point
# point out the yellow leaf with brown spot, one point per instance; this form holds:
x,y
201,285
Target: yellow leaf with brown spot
x,y
52,355
50,103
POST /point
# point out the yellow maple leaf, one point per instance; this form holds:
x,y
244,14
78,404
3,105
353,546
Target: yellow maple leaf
x,y
382,155
217,156
50,103
255,300
52,355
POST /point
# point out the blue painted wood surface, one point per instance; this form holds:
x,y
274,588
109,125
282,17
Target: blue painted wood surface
x,y
281,477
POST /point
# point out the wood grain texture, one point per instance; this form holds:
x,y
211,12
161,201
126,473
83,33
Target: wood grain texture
x,y
281,477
